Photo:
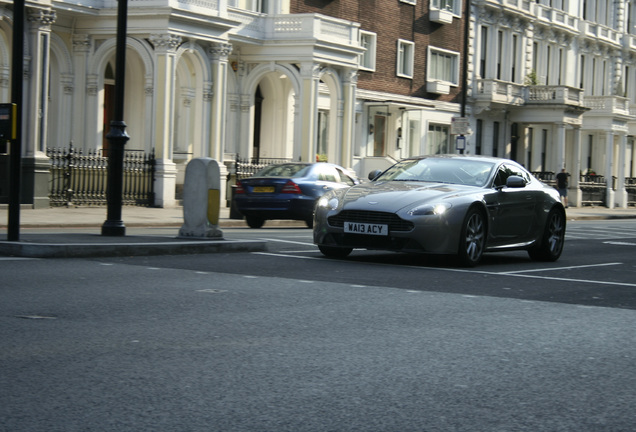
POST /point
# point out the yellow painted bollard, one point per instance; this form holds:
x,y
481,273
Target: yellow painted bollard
x,y
202,199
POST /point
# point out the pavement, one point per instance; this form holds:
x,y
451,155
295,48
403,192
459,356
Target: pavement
x,y
53,232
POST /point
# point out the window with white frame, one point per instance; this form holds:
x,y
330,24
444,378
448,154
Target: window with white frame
x,y
405,55
409,1
438,139
443,66
368,42
251,5
453,6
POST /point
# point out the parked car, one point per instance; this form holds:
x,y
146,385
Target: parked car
x,y
446,204
288,191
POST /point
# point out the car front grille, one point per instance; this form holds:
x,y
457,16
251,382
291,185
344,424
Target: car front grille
x,y
394,222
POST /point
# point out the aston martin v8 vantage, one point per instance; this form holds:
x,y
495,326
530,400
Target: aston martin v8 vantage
x,y
444,204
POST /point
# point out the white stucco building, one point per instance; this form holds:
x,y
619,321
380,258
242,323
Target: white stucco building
x,y
549,83
553,85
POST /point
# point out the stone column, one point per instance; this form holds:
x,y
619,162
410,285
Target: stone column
x,y
35,164
350,82
609,168
310,75
218,54
81,48
575,194
164,94
621,192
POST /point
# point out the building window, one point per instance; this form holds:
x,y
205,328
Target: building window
x,y
439,139
368,42
443,66
405,55
409,1
483,55
448,5
251,5
479,136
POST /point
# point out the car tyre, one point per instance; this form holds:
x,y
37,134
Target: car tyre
x,y
335,252
472,241
254,221
553,239
310,222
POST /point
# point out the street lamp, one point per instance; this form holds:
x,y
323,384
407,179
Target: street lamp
x,y
117,136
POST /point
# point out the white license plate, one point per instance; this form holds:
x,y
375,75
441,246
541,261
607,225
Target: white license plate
x,y
366,228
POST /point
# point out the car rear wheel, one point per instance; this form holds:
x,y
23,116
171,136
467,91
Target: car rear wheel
x,y
553,238
335,252
254,222
472,240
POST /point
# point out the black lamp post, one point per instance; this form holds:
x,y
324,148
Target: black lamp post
x,y
15,161
117,136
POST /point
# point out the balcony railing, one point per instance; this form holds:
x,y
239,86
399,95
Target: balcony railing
x,y
296,27
609,105
554,95
503,92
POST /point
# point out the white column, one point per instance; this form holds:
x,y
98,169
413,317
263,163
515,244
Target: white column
x,y
309,110
609,168
38,85
164,94
81,49
350,83
621,192
219,56
575,195
559,138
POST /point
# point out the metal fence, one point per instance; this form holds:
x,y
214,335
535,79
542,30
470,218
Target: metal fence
x,y
81,179
247,167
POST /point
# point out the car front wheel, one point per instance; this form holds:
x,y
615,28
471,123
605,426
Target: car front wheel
x,y
334,252
472,240
551,245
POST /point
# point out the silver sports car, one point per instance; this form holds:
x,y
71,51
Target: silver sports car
x,y
444,204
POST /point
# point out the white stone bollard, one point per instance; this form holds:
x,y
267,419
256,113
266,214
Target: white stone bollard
x,y
201,199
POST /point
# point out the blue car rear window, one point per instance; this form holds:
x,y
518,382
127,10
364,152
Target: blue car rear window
x,y
286,170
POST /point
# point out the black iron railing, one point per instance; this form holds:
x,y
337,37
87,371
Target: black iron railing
x,y
80,179
247,167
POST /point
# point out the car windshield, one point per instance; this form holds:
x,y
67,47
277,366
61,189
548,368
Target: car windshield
x,y
440,170
285,170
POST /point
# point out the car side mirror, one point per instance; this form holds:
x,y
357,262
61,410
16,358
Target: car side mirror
x,y
515,182
373,174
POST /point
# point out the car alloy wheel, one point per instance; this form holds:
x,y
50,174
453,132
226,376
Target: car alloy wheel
x,y
473,238
553,238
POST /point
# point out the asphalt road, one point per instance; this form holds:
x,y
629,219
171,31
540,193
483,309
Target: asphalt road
x,y
289,341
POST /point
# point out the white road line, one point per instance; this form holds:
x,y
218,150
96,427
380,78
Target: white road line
x,y
559,268
287,241
619,243
509,274
286,256
16,258
569,280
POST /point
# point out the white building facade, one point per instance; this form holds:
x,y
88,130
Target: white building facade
x,y
550,84
553,85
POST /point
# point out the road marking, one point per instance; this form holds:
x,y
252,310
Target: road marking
x,y
286,256
559,268
16,258
619,243
509,274
287,241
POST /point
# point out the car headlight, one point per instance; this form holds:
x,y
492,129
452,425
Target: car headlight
x,y
328,203
437,209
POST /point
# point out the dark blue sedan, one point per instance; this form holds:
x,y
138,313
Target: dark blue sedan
x,y
288,191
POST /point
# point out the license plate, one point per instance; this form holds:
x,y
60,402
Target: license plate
x,y
366,228
263,189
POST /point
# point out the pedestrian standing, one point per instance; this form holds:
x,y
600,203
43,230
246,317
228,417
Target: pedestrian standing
x,y
562,186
